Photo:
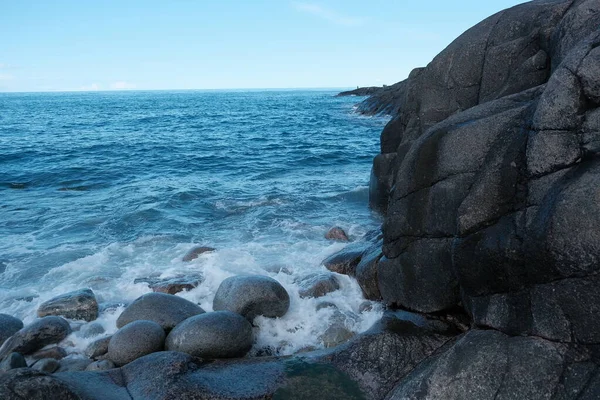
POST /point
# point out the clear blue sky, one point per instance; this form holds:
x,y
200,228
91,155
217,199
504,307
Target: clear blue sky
x,y
206,44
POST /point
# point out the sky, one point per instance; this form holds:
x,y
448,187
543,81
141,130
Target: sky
x,y
65,45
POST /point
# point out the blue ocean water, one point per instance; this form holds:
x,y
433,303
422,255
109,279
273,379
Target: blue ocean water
x,y
100,188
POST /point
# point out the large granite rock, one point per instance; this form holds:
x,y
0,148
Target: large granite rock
x,y
252,295
9,325
219,334
80,304
33,337
489,176
318,285
165,309
489,365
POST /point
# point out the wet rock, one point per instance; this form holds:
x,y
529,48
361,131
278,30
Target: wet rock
x,y
252,295
27,383
73,364
48,365
365,306
80,304
337,233
54,352
366,272
98,347
345,261
196,251
165,309
111,307
135,340
91,330
9,325
172,285
101,365
33,337
326,304
335,335
12,361
318,285
219,334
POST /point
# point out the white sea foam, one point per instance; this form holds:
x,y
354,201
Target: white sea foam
x,y
111,272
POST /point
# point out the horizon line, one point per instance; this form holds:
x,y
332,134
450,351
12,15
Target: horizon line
x,y
189,90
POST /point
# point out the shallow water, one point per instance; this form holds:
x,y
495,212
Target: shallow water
x,y
98,189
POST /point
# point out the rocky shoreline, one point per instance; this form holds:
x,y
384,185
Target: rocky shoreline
x,y
487,261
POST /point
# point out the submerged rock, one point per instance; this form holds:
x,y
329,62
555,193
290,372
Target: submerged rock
x,y
252,295
172,285
91,330
318,285
219,334
196,251
165,309
80,304
135,340
33,337
9,325
337,233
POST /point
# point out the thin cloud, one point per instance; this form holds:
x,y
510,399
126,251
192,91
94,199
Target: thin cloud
x,y
6,77
122,85
328,14
90,88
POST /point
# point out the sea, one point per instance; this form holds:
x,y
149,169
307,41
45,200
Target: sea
x,y
100,188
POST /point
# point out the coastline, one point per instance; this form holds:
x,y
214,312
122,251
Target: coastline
x,y
487,258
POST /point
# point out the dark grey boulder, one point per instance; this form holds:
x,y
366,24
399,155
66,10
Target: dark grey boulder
x,y
80,304
73,364
98,347
165,309
502,367
336,334
366,272
219,334
194,252
337,233
12,361
48,365
172,285
135,340
101,365
9,325
252,295
33,337
55,352
318,285
26,383
345,261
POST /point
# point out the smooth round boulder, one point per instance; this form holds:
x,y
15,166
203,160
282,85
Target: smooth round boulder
x,y
54,352
80,304
135,340
33,337
252,295
48,365
9,325
12,361
219,334
167,310
98,347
